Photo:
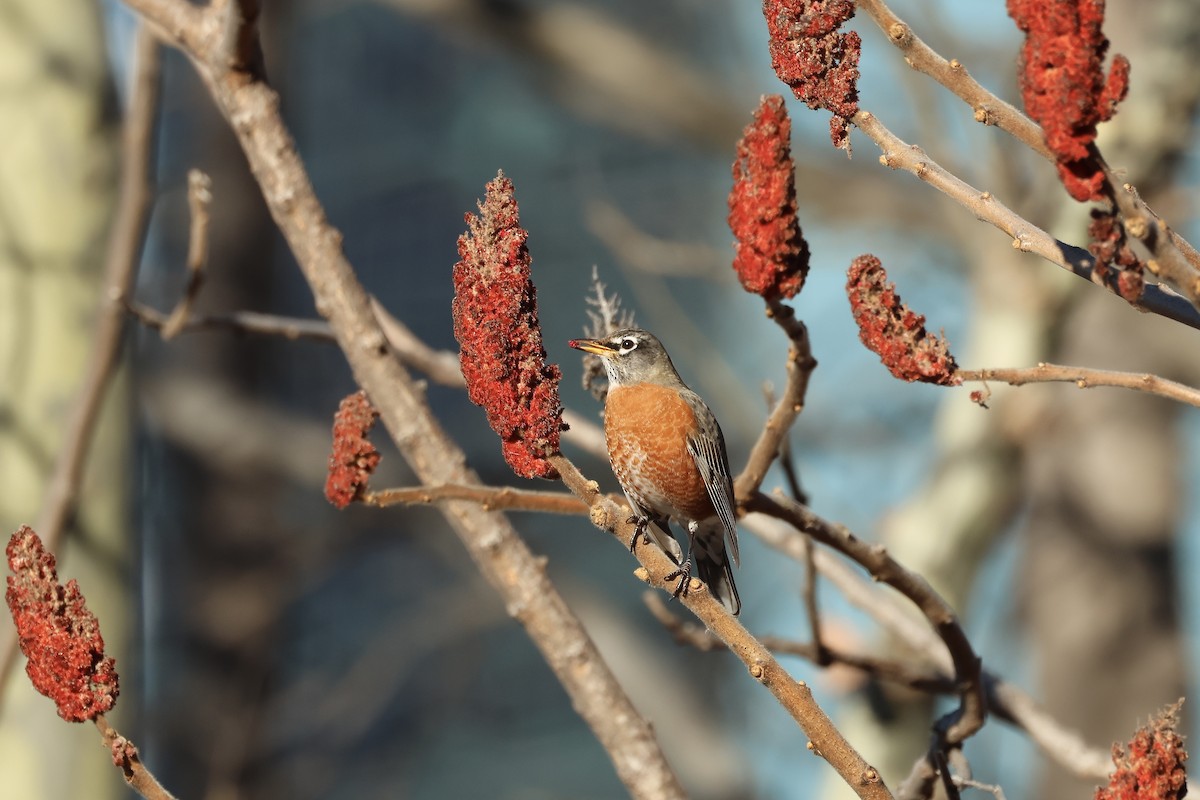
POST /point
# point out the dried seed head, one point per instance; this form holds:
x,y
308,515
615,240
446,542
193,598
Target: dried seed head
x,y
894,332
771,255
57,633
496,324
1064,86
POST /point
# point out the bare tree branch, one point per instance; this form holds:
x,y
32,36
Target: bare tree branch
x,y
989,109
490,499
199,200
125,249
800,364
238,321
125,756
441,366
1086,378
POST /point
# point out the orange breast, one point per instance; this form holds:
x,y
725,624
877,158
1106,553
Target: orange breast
x,y
647,427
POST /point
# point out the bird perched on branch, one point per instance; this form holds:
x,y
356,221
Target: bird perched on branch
x,y
668,454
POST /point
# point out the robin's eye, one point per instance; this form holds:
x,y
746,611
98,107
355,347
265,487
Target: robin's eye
x,y
628,344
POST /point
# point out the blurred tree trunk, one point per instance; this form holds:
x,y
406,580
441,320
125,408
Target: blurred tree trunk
x,y
57,190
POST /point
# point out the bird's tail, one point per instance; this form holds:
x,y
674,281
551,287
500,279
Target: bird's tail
x,y
713,565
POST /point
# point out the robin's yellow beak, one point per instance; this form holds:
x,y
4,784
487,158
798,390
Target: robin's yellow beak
x,y
593,346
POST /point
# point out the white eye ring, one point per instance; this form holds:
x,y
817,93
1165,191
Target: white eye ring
x,y
627,344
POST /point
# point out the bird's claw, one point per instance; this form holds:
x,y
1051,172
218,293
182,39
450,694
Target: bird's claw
x,y
641,522
684,574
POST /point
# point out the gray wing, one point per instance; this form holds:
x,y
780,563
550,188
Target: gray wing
x,y
708,451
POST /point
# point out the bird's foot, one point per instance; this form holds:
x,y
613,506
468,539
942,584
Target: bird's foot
x,y
684,574
641,522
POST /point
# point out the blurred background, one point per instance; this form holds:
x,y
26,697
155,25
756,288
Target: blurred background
x,y
270,646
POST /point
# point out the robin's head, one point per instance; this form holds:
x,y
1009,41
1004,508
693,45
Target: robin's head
x,y
631,356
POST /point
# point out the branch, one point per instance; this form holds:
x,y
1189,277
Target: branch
x,y
989,109
488,498
795,696
1013,705
252,108
442,366
1086,378
292,328
199,200
696,636
972,709
125,756
1006,701
1174,259
1026,236
800,365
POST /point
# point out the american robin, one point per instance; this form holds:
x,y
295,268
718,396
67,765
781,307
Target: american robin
x,y
668,454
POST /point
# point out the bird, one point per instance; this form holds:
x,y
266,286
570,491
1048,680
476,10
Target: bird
x,y
668,453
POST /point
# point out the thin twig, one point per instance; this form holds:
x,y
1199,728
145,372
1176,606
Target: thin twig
x,y
441,366
800,365
1173,257
1013,705
919,783
239,321
489,498
791,475
810,568
1087,378
943,768
125,756
199,200
992,788
125,248
811,609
